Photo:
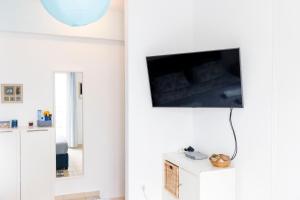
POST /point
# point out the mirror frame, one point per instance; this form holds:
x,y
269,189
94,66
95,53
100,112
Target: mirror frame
x,y
83,123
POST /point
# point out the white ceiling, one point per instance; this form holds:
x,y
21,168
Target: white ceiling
x,y
117,4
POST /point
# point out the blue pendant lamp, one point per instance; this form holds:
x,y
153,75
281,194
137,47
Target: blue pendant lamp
x,y
76,12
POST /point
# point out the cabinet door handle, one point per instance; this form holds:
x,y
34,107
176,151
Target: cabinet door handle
x,y
42,130
6,131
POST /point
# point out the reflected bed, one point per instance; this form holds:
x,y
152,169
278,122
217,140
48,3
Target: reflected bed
x,y
62,157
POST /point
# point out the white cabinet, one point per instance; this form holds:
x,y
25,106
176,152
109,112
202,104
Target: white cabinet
x,y
27,168
199,180
9,165
37,164
188,185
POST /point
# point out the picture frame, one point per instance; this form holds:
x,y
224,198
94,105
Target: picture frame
x,y
4,124
12,93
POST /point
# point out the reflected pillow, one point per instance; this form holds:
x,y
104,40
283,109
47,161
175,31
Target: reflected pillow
x,y
170,82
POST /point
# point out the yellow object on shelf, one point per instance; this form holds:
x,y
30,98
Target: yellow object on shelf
x,y
220,160
47,113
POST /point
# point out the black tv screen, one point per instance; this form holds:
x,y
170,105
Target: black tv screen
x,y
201,79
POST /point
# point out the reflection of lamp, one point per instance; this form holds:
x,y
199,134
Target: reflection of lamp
x,y
76,12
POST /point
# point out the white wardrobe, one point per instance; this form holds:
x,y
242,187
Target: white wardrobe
x,y
27,168
9,165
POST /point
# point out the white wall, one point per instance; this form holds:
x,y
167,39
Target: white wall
x,y
174,26
31,59
248,25
30,17
286,138
33,46
268,127
154,27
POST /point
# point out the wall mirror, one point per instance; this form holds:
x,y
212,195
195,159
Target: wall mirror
x,y
68,115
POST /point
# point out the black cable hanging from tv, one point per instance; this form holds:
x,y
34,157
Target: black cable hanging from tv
x,y
234,135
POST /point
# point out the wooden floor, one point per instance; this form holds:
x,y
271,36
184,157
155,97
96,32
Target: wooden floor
x,y
80,196
84,196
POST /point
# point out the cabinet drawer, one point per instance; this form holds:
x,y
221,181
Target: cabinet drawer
x,y
172,178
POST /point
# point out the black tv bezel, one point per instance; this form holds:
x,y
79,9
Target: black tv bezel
x,y
195,52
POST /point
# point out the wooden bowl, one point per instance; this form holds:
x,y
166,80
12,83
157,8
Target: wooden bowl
x,y
220,160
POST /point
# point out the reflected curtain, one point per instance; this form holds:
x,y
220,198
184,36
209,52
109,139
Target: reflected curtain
x,y
72,114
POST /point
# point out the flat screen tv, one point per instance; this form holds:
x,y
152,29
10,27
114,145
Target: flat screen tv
x,y
200,79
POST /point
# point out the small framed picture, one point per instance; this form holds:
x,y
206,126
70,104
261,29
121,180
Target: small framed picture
x,y
18,90
12,93
4,124
9,91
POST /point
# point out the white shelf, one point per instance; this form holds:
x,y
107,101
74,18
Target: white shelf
x,y
199,180
193,166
